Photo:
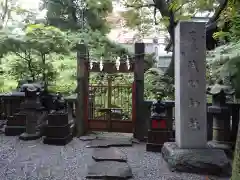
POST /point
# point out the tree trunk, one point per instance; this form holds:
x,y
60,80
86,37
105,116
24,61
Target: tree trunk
x,y
163,7
44,75
236,161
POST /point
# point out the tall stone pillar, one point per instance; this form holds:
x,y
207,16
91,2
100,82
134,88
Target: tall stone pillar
x,y
190,85
190,152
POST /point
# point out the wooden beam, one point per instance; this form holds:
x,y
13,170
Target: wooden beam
x,y
82,90
139,91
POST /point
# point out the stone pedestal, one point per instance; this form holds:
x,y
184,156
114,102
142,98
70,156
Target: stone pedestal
x,y
203,161
15,124
190,152
156,139
160,127
59,130
31,133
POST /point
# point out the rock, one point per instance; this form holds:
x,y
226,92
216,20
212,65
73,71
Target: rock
x,y
109,169
109,154
87,138
28,137
136,141
201,161
105,143
2,123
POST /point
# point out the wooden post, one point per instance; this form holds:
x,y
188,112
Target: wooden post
x,y
82,90
109,103
139,91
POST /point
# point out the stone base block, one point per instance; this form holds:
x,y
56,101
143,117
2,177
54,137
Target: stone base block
x,y
59,131
58,119
57,141
202,161
14,130
158,136
154,147
226,147
28,137
16,120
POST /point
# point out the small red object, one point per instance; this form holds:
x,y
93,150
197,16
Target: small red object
x,y
159,124
154,124
163,124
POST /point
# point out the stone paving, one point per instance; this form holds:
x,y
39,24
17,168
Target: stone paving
x,y
33,160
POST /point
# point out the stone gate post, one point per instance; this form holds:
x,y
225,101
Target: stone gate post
x,y
190,152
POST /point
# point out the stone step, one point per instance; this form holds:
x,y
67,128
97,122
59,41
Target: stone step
x,y
105,143
109,154
110,162
109,170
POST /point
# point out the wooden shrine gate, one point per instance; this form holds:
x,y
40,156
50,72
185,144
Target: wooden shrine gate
x,y
92,114
110,108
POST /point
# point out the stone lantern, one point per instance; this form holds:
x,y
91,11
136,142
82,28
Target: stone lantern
x,y
221,115
32,108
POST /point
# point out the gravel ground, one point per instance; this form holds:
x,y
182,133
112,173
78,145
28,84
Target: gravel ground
x,y
33,160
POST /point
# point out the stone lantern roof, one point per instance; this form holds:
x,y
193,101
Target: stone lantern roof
x,y
220,88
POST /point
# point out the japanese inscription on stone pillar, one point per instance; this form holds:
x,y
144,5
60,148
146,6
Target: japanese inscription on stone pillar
x,y
190,84
192,66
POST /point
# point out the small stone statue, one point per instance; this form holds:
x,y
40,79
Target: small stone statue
x,y
158,108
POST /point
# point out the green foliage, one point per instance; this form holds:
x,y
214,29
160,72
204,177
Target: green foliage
x,y
141,14
68,14
45,52
28,53
225,61
140,17
157,82
46,39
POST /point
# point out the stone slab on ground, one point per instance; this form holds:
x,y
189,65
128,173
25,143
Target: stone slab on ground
x,y
109,154
88,138
202,161
109,169
105,143
112,134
